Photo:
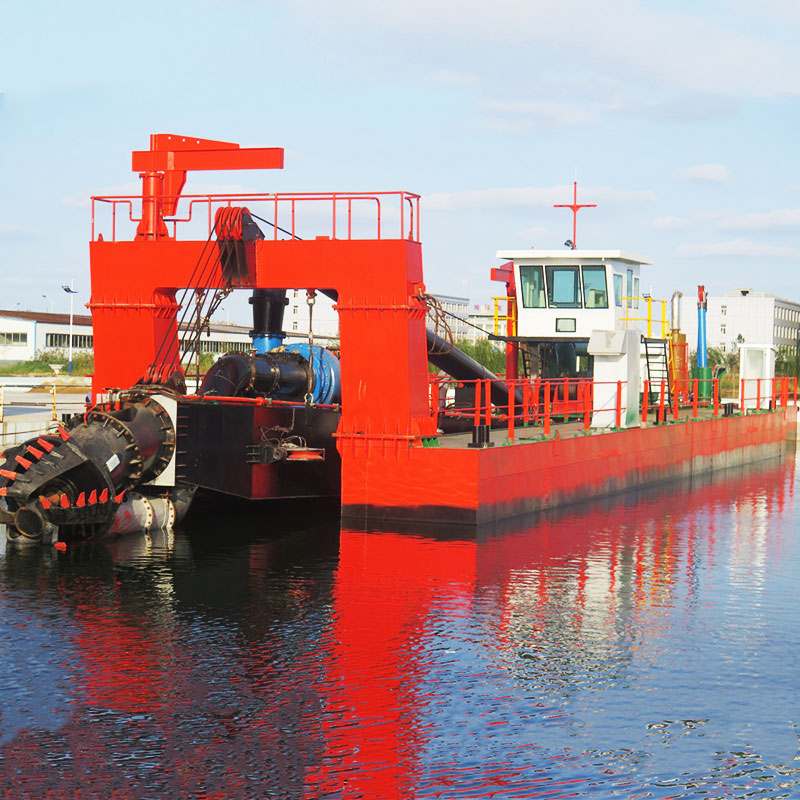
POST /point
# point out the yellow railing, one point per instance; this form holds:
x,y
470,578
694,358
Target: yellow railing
x,y
510,315
660,323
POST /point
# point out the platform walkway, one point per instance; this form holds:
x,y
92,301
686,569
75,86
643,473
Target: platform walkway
x,y
499,436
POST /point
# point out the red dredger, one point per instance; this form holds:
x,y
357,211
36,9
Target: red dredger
x,y
370,423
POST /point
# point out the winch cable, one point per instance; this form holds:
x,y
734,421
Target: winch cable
x,y
465,321
310,299
277,227
203,315
199,313
436,310
196,316
206,257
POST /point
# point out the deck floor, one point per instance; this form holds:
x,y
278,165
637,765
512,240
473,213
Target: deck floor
x,y
566,430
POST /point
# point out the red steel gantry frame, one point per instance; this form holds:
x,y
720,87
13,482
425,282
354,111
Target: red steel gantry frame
x,y
385,408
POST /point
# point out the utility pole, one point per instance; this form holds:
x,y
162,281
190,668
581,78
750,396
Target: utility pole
x,y
70,290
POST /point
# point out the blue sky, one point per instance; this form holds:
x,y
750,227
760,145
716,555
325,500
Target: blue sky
x,y
680,119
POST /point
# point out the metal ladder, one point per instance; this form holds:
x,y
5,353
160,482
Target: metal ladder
x,y
656,356
526,362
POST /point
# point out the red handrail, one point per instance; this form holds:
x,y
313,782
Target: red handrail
x,y
268,207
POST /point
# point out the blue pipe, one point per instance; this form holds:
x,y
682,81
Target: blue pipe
x,y
702,352
260,343
263,343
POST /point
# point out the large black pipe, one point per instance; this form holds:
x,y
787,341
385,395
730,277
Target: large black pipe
x,y
276,374
462,367
268,307
457,363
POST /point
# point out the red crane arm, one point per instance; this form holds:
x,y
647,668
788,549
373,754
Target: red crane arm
x,y
164,166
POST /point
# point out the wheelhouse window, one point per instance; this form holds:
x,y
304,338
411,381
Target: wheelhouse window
x,y
629,285
595,292
618,290
563,287
636,293
532,284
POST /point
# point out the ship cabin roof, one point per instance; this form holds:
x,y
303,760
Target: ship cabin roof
x,y
571,256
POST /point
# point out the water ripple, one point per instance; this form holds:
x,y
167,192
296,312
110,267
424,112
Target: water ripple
x,y
637,648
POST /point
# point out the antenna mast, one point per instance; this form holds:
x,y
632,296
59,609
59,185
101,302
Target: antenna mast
x,y
576,207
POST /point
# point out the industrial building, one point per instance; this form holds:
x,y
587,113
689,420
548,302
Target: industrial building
x,y
744,316
26,334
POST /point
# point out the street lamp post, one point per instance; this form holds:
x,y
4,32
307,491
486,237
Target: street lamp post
x,y
70,290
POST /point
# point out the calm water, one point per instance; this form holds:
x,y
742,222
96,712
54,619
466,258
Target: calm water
x,y
642,648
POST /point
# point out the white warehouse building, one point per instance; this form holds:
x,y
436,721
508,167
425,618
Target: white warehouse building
x,y
759,318
25,334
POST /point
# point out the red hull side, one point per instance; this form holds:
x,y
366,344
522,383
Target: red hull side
x,y
476,486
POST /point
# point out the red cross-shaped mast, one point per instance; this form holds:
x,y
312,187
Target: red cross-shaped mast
x,y
576,207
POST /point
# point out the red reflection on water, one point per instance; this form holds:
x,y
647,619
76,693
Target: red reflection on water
x,y
386,584
360,714
389,594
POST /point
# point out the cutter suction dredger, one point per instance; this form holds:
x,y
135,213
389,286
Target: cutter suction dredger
x,y
364,423
79,482
134,462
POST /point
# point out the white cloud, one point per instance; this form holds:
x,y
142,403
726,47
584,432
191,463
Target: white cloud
x,y
669,223
737,248
131,188
689,107
522,115
533,231
780,218
534,196
693,51
454,77
134,190
18,232
710,173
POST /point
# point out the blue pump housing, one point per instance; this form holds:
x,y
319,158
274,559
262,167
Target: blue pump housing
x,y
327,385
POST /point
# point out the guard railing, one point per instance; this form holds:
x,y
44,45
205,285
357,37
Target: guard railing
x,y
757,394
544,403
338,215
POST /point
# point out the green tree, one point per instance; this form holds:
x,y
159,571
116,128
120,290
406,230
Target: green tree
x,y
786,363
485,353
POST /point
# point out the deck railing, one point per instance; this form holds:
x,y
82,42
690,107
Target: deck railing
x,y
337,215
509,317
757,394
656,323
544,403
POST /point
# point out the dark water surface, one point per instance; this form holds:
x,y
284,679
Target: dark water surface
x,y
641,648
